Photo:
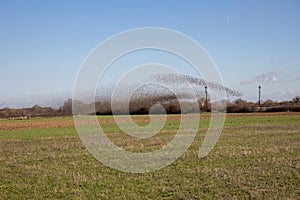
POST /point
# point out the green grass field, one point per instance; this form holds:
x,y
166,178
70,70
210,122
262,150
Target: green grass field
x,y
256,157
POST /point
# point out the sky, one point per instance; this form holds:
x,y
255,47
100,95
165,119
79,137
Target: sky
x,y
44,43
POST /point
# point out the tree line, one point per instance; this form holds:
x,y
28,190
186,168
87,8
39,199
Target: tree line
x,y
169,104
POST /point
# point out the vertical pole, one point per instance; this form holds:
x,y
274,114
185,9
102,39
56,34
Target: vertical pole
x,y
259,93
206,104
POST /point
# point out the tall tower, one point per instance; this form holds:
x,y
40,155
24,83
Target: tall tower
x,y
259,94
206,101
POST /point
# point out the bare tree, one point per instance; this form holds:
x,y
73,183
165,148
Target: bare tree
x,y
296,99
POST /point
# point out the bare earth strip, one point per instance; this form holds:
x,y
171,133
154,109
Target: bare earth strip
x,y
68,122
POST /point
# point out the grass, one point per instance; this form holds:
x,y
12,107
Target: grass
x,y
256,157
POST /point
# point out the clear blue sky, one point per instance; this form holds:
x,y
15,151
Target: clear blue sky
x,y
43,43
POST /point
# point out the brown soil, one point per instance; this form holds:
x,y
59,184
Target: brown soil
x,y
61,122
32,124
